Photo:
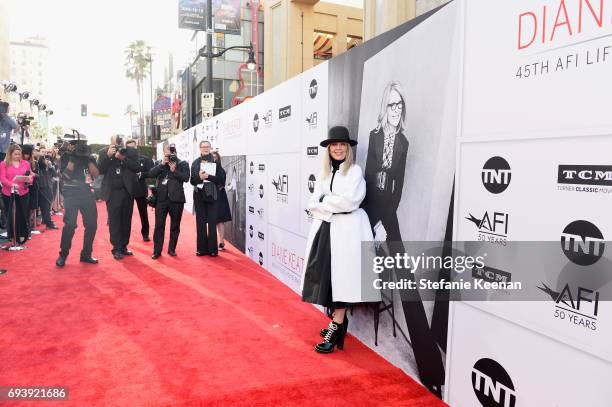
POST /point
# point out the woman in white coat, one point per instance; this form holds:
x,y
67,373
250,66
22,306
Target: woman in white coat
x,y
332,275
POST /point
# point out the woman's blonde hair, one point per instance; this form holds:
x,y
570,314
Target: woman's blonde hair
x,y
348,161
9,153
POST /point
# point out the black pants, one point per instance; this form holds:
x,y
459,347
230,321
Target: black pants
x,y
21,219
162,209
206,225
120,207
45,197
141,203
79,200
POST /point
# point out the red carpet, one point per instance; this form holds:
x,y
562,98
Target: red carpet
x,y
176,331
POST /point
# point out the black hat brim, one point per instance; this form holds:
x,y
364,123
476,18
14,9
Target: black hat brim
x,y
327,142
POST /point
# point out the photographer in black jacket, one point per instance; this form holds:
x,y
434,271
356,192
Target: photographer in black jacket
x,y
170,176
46,173
119,166
141,191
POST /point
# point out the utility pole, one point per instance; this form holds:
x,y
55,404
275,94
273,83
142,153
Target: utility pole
x,y
209,58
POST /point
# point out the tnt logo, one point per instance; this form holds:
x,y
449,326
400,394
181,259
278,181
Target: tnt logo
x,y
256,122
582,242
311,183
261,259
261,191
496,175
492,384
313,89
251,231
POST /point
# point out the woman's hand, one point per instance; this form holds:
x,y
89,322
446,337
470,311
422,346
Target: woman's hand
x,y
203,175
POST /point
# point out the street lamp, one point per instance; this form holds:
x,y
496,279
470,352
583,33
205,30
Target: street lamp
x,y
206,52
151,131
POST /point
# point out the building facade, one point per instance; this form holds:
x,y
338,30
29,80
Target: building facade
x,y
5,73
28,69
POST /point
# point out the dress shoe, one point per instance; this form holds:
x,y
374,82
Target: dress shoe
x,y
155,256
200,254
89,260
213,254
127,252
117,256
171,253
146,239
52,226
221,246
324,330
333,338
61,261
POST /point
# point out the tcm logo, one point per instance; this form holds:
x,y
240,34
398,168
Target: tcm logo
x,y
492,384
312,151
313,89
582,242
491,227
311,183
251,188
260,235
585,175
312,120
261,259
282,188
262,167
268,118
256,122
252,210
579,307
491,274
261,213
284,113
251,168
496,175
251,231
261,191
541,26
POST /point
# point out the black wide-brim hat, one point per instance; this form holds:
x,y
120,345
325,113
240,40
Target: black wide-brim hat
x,y
338,134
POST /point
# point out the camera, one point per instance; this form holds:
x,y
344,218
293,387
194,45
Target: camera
x,y
4,107
119,146
24,120
78,140
173,158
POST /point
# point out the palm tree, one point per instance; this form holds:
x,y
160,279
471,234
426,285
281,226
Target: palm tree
x,y
129,111
57,131
137,57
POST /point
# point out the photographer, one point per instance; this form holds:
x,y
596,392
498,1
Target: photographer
x,y
141,191
76,169
205,194
170,176
30,154
46,174
119,166
7,127
22,135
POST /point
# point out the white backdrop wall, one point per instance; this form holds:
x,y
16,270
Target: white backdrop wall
x,y
535,82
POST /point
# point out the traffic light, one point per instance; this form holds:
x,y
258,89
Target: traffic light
x,y
83,110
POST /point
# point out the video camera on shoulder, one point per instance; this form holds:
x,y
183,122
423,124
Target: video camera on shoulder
x,y
79,141
24,120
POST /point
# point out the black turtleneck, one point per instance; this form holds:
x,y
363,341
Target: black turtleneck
x,y
335,168
208,158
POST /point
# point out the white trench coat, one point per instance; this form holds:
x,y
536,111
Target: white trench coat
x,y
347,232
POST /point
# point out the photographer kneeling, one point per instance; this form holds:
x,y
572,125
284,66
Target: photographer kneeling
x,y
170,176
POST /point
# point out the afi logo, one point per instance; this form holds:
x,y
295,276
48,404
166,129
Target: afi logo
x,y
256,122
281,184
496,175
492,384
582,242
313,89
268,118
585,175
260,211
251,188
311,183
496,225
261,191
312,120
250,250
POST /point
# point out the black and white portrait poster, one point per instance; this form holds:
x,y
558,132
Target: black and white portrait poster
x,y
235,187
402,109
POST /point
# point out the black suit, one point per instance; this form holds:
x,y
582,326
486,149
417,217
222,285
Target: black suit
x,y
45,189
206,212
118,189
141,191
383,196
170,200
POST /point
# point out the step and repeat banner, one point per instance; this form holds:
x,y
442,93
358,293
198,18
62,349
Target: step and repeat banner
x,y
534,164
503,136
